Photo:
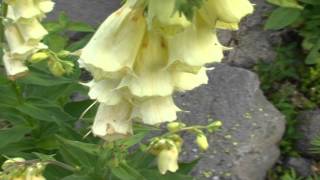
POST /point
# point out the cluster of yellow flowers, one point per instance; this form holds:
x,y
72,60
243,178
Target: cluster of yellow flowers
x,y
23,32
16,169
145,51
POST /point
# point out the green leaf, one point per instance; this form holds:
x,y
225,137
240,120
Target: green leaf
x,y
123,173
12,135
282,17
286,3
53,27
44,157
314,55
314,2
44,111
85,147
186,168
56,42
63,19
79,44
80,27
155,175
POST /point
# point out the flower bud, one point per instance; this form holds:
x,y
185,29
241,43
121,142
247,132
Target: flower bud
x,y
10,162
214,126
175,126
38,57
56,68
202,142
63,54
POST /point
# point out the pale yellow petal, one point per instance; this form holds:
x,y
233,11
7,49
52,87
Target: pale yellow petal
x,y
150,78
25,9
196,46
187,81
105,91
45,6
116,43
32,31
16,42
156,110
112,122
162,15
168,160
229,11
14,68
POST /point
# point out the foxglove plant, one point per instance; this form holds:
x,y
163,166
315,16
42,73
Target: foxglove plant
x,y
146,51
23,33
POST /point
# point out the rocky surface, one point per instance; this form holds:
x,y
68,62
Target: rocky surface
x,y
251,43
246,147
302,166
309,129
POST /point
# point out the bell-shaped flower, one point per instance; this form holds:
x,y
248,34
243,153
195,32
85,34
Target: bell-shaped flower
x,y
163,16
105,91
155,110
32,31
16,43
116,43
113,122
14,68
185,81
196,46
24,9
229,11
150,77
167,159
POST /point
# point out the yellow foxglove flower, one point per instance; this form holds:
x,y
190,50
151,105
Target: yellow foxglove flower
x,y
32,31
14,68
185,81
163,16
116,43
155,110
24,9
105,91
16,42
229,11
150,78
113,122
196,46
168,159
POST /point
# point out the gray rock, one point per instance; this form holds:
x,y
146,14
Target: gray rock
x,y
301,165
246,146
90,11
309,129
251,43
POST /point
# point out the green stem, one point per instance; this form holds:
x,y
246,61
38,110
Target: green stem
x,y
191,128
4,10
18,91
